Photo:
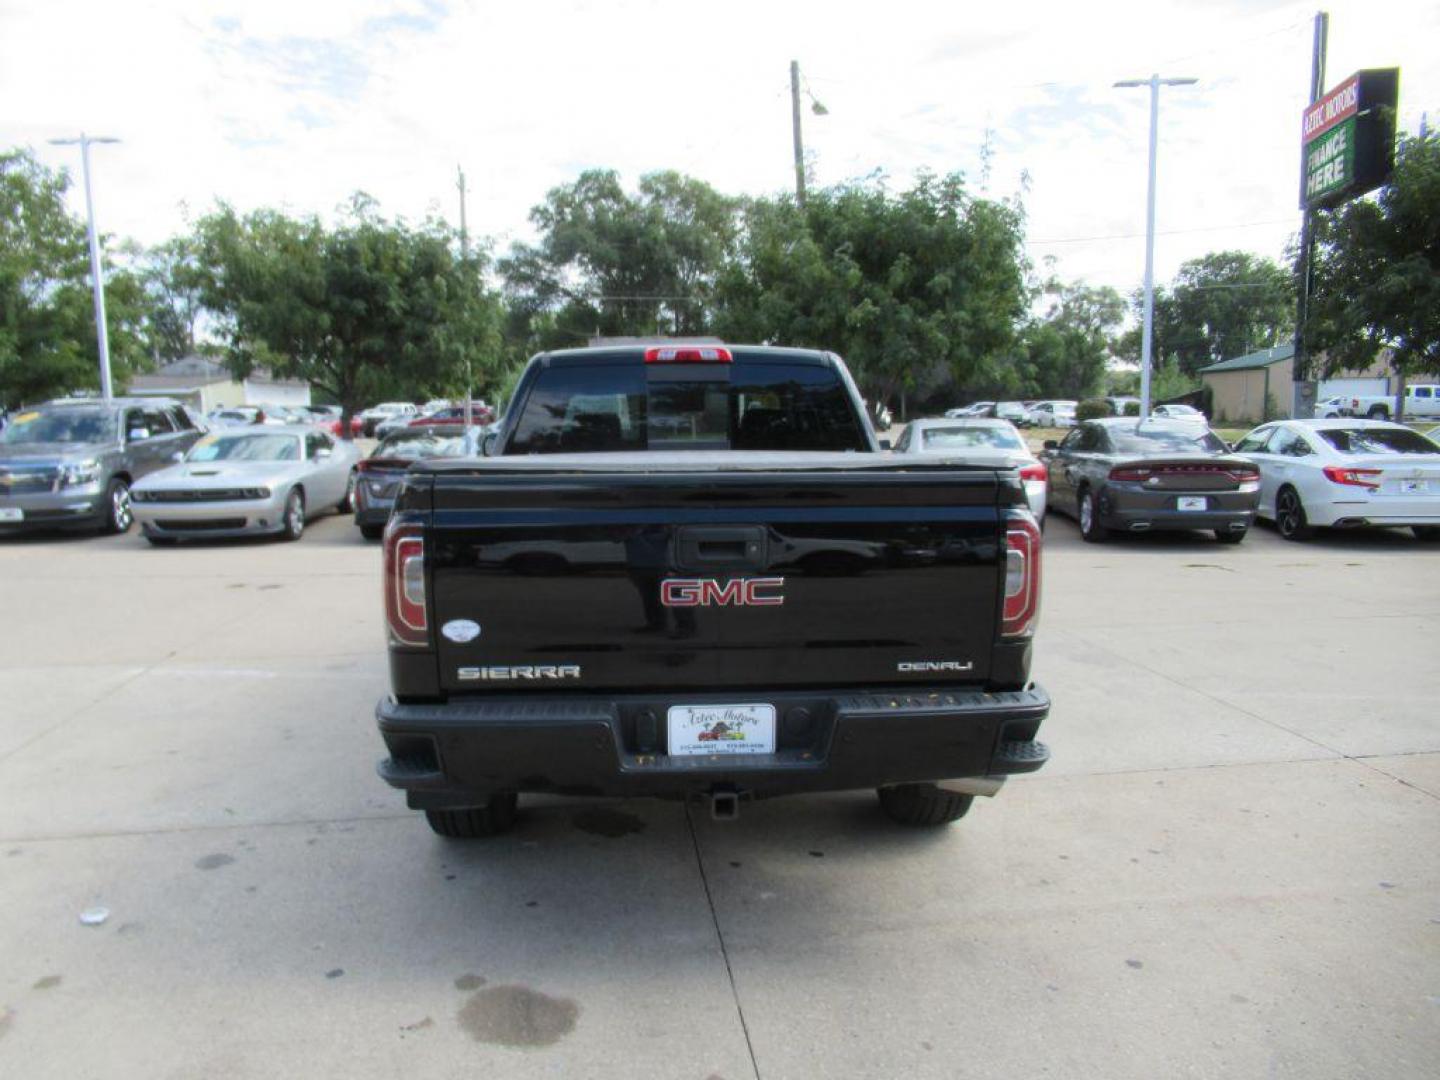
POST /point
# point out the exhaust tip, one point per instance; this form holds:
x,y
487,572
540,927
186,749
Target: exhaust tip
x,y
724,805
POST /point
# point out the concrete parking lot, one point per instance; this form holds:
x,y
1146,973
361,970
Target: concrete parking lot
x,y
1230,868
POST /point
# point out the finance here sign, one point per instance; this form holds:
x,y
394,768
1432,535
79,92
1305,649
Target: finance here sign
x,y
1348,139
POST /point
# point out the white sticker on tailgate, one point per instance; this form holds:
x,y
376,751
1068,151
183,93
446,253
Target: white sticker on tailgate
x,y
11,513
721,729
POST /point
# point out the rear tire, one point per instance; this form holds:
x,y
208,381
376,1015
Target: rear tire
x,y
1426,532
1087,513
1227,536
347,504
372,532
1378,412
474,822
923,804
1290,520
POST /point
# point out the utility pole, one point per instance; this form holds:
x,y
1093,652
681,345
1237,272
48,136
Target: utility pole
x,y
102,336
464,234
799,142
1147,330
1302,387
464,254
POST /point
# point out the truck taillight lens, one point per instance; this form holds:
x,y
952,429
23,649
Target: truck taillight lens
x,y
1365,478
405,585
1034,472
1022,576
688,354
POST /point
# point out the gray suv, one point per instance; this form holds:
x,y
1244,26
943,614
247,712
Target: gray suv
x,y
70,464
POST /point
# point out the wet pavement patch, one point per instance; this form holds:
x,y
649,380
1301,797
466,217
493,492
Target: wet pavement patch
x,y
517,1016
1136,964
214,862
334,973
603,821
48,982
470,982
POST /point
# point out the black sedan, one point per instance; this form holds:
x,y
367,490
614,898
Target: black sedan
x,y
1125,475
380,473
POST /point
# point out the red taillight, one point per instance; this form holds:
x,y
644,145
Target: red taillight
x,y
1034,472
1131,472
687,354
405,585
1365,478
1022,576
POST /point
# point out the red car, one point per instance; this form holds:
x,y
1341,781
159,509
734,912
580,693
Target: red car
x,y
480,413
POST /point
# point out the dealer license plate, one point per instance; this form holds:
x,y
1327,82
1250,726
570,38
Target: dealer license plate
x,y
11,514
1413,487
721,729
1190,502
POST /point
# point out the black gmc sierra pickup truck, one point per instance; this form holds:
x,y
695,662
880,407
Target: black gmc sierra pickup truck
x,y
693,572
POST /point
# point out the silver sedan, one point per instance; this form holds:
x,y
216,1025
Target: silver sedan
x,y
252,481
979,441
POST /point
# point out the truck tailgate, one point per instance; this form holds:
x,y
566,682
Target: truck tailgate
x,y
768,577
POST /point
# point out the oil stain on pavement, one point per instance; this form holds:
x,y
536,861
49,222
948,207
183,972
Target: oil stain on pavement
x,y
517,1016
214,862
603,821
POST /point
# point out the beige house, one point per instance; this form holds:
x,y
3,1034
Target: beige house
x,y
205,384
1240,387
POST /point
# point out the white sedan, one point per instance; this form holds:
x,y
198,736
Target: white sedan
x,y
247,481
980,441
1345,474
1187,413
1056,414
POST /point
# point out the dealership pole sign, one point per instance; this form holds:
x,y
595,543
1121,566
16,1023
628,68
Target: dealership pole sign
x,y
1348,138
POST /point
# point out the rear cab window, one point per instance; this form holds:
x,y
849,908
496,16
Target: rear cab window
x,y
624,404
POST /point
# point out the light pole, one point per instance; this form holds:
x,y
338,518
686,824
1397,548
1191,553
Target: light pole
x,y
101,336
815,107
1146,333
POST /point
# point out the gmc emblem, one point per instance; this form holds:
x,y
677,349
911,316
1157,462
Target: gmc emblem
x,y
738,592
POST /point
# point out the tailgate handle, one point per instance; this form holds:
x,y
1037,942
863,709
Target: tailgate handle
x,y
725,547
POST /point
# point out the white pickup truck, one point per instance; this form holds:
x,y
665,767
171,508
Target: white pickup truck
x,y
1421,400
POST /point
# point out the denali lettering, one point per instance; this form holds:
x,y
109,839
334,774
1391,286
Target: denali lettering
x,y
935,665
519,671
737,592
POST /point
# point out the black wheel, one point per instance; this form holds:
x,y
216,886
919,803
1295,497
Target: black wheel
x,y
293,521
161,541
1088,514
1228,536
923,804
347,504
1378,412
471,822
118,514
372,532
1290,518
1426,532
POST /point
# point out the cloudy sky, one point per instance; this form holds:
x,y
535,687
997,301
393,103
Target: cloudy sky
x,y
299,103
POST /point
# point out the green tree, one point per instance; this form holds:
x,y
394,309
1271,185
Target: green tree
x,y
1065,353
173,282
47,322
1221,305
368,308
615,263
1377,270
903,285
